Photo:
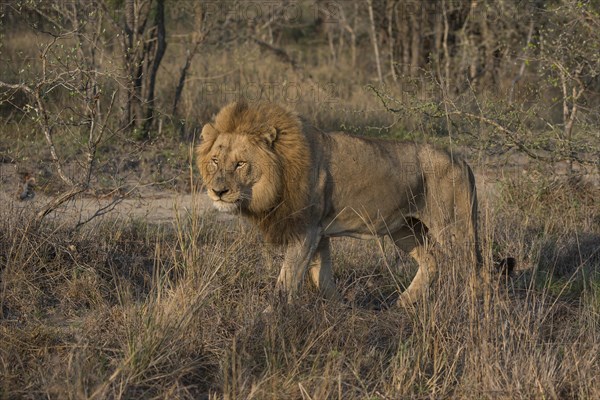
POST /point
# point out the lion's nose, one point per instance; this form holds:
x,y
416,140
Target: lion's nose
x,y
220,192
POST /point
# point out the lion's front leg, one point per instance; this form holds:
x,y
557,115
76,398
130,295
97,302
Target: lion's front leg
x,y
321,272
295,264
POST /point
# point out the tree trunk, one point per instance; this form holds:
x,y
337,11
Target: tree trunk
x,y
143,50
446,80
159,45
352,31
438,32
404,35
182,77
415,43
391,5
374,40
198,37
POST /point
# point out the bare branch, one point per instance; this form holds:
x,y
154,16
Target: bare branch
x,y
43,121
57,201
17,86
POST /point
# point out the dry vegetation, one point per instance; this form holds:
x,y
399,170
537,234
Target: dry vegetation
x,y
129,308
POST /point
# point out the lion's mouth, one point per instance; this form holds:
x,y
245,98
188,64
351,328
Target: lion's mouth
x,y
226,207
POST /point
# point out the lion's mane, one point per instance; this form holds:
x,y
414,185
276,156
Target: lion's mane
x,y
289,154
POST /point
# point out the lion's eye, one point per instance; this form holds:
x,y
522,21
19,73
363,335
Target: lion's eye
x,y
240,164
215,160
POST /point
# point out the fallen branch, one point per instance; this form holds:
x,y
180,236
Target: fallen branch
x,y
57,202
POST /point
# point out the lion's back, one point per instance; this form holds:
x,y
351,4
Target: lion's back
x,y
390,180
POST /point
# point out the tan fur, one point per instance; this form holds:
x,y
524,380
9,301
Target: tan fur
x,y
302,186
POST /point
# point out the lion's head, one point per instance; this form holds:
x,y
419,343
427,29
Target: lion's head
x,y
256,160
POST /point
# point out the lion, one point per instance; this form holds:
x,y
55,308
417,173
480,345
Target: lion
x,y
302,186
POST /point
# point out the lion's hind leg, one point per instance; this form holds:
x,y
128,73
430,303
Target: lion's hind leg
x,y
413,240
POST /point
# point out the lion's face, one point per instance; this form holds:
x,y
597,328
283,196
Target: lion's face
x,y
239,174
256,159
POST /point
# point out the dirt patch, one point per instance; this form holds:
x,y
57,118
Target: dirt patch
x,y
153,206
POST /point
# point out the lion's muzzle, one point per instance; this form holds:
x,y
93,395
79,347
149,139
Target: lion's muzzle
x,y
220,192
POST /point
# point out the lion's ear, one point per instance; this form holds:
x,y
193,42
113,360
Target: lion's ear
x,y
208,132
270,135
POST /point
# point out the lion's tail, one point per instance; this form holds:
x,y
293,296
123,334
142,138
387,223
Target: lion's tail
x,y
504,266
470,192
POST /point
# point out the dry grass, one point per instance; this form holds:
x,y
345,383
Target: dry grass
x,y
126,309
129,309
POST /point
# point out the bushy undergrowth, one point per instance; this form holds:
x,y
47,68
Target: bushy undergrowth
x,y
127,309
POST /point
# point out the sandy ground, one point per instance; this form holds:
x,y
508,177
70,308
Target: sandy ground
x,y
150,205
156,205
